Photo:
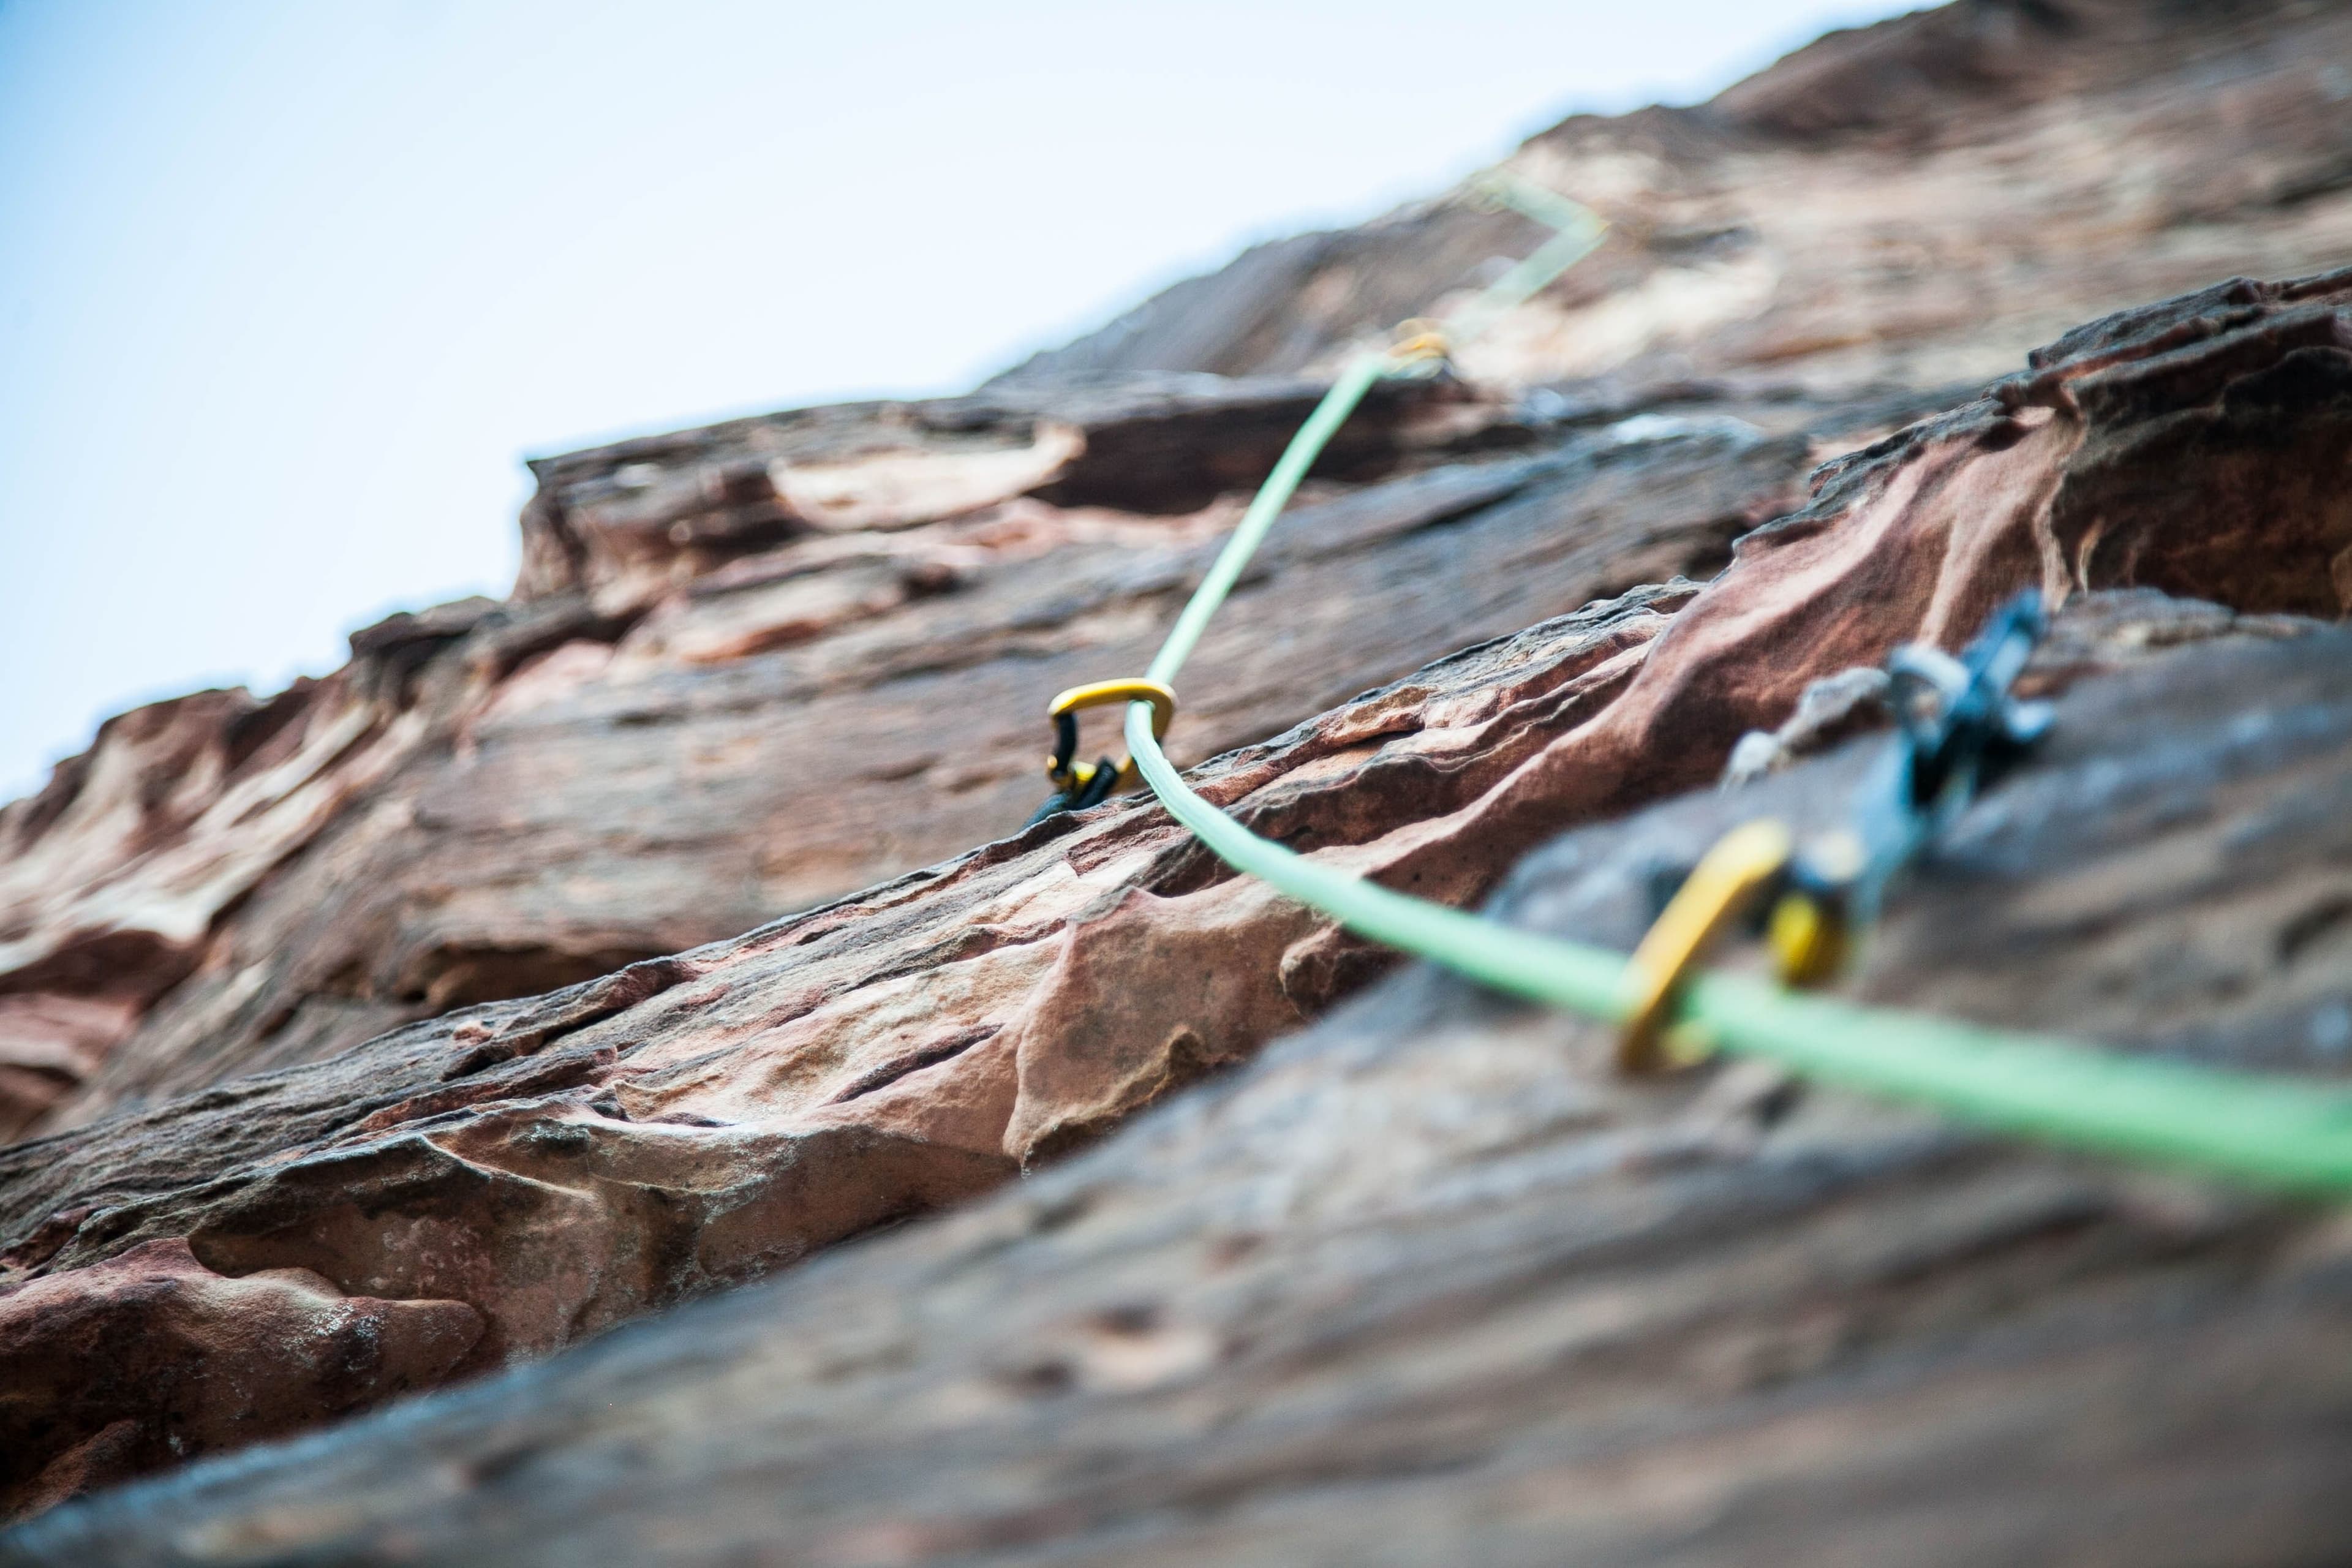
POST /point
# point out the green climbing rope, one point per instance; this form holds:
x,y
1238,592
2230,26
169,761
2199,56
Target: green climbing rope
x,y
2280,1132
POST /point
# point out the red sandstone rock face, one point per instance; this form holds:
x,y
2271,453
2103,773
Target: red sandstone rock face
x,y
1428,1282
267,968
495,800
151,1357
709,702
1918,203
553,1167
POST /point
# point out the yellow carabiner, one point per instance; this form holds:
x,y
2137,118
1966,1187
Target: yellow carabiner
x,y
1808,929
1063,767
1417,340
1723,887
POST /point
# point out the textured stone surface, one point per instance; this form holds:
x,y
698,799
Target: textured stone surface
x,y
1429,1283
116,1370
501,987
1917,203
557,1166
709,702
497,799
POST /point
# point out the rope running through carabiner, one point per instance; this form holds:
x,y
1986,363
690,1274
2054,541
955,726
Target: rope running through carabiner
x,y
2280,1132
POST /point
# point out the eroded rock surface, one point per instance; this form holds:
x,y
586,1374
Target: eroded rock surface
x,y
711,699
561,1164
568,957
1429,1282
1915,203
662,750
151,1357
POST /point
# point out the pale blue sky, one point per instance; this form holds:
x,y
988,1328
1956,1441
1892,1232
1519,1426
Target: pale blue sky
x,y
288,290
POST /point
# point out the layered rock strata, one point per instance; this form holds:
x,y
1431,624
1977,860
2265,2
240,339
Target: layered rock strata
x,y
1915,204
1429,1282
546,1169
706,703
683,727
